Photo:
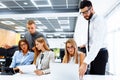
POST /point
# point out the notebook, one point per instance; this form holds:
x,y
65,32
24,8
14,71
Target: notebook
x,y
27,68
64,71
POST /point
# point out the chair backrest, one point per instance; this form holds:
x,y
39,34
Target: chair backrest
x,y
62,53
7,54
3,53
10,53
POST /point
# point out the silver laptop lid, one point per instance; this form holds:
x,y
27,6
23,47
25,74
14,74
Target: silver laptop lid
x,y
64,71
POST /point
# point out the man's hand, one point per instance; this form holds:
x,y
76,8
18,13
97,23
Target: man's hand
x,y
82,69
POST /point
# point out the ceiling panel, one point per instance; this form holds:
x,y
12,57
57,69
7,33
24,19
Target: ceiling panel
x,y
52,16
57,26
25,3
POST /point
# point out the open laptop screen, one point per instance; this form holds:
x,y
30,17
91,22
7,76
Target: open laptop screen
x,y
64,71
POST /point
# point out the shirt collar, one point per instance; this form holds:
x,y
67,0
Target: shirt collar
x,y
27,52
34,33
93,17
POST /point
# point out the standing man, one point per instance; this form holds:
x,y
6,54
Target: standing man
x,y
97,54
32,34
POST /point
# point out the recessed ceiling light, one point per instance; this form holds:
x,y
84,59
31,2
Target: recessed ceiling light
x,y
25,3
8,22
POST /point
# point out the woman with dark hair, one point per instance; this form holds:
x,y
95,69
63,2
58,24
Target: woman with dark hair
x,y
22,56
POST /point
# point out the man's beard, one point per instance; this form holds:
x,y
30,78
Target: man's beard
x,y
91,14
89,17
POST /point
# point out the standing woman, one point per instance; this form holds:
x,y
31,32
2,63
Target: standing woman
x,y
71,53
22,56
43,56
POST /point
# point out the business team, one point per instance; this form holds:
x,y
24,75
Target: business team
x,y
97,54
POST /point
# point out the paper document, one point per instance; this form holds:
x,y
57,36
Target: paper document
x,y
27,68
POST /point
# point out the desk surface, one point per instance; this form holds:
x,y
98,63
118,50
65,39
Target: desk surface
x,y
47,77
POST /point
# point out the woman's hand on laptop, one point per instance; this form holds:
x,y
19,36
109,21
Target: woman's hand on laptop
x,y
82,70
39,72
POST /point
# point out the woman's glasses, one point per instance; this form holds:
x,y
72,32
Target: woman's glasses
x,y
71,47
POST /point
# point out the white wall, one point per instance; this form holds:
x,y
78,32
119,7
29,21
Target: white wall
x,y
113,40
57,43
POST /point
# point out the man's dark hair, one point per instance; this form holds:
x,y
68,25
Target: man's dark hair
x,y
85,3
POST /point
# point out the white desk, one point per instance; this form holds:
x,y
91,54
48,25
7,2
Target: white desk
x,y
47,77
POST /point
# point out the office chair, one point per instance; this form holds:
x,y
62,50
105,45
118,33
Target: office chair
x,y
5,60
10,53
3,54
62,53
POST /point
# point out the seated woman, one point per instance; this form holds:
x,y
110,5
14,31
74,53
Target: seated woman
x,y
71,53
22,56
43,56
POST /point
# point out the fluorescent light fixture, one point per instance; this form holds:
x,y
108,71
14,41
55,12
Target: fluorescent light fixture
x,y
67,3
49,2
19,18
63,21
56,34
70,14
65,27
59,29
51,18
63,35
19,27
8,22
2,5
36,5
37,22
49,35
19,30
41,27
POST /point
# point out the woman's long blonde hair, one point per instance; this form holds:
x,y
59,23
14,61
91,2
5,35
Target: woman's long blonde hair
x,y
36,51
67,55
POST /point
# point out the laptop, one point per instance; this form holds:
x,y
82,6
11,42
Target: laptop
x,y
64,71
